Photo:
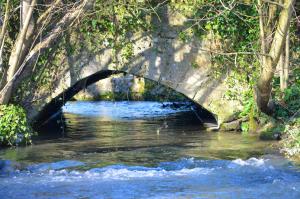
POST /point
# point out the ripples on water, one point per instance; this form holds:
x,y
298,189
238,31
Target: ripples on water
x,y
139,150
124,110
185,178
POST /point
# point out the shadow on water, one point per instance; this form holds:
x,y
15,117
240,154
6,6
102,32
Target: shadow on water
x,y
143,151
184,114
134,133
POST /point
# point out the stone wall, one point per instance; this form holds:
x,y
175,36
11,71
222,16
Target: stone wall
x,y
128,87
159,55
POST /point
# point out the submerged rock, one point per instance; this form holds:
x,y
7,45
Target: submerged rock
x,y
231,126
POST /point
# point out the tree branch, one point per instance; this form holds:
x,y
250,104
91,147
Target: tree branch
x,y
49,39
45,15
262,32
281,31
274,2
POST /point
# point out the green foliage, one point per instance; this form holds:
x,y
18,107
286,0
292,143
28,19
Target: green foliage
x,y
14,127
248,105
237,28
250,111
288,101
127,51
291,143
109,26
114,24
195,65
185,35
287,113
231,30
245,127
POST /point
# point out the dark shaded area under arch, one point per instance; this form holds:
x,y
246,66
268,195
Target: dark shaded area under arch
x,y
52,108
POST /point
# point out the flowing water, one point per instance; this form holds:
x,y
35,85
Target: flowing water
x,y
142,150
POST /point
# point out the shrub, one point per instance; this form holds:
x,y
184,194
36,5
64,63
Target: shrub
x,y
14,127
291,143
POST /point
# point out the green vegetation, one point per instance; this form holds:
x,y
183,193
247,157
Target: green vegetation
x,y
14,127
246,45
286,116
291,142
237,26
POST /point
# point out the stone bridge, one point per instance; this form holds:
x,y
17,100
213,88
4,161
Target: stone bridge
x,y
158,55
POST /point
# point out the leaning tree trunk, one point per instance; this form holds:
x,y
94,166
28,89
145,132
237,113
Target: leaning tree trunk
x,y
264,87
3,30
19,62
2,41
14,58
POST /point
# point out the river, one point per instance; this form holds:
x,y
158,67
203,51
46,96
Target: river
x,y
143,150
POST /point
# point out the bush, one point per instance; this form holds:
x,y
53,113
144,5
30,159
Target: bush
x,y
14,127
291,143
287,113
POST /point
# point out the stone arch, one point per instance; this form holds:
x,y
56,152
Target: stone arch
x,y
160,55
55,105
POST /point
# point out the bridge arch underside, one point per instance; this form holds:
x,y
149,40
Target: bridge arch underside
x,y
50,109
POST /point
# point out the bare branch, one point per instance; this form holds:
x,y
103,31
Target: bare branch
x,y
274,2
43,17
281,31
234,53
262,32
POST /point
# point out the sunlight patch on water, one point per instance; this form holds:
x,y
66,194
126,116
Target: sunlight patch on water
x,y
125,110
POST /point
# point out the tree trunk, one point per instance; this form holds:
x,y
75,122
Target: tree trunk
x,y
281,70
17,66
2,41
264,87
25,5
286,63
16,54
3,30
263,46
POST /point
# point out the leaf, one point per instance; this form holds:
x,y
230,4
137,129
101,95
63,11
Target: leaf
x,y
94,24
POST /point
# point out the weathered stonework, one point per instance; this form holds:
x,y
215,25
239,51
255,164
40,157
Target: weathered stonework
x,y
160,56
128,87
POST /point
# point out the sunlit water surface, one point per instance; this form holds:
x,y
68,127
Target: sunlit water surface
x,y
141,150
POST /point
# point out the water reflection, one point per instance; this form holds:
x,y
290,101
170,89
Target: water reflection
x,y
155,153
144,138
